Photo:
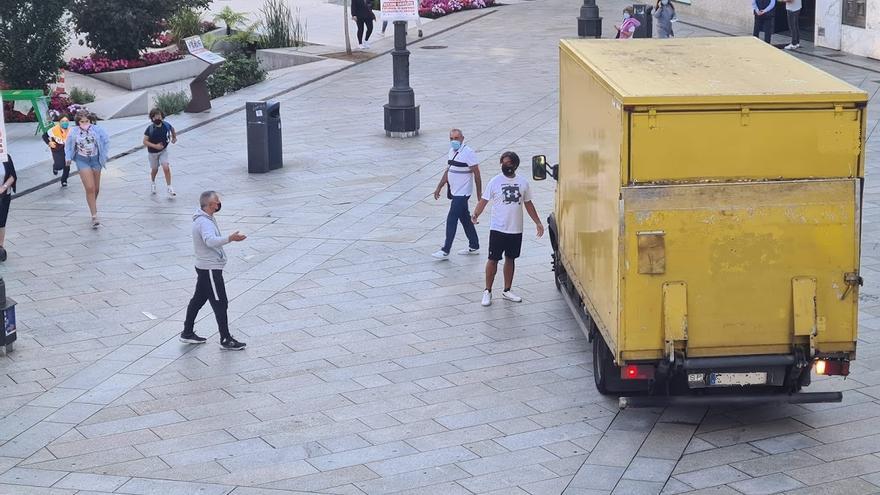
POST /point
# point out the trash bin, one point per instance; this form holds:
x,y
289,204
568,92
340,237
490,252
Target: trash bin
x,y
8,334
642,12
263,136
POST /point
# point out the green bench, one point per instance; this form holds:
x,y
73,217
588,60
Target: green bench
x,y
38,100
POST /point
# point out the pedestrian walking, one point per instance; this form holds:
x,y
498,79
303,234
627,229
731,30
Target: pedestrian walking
x,y
461,174
55,139
362,14
793,11
156,138
763,11
509,194
629,25
664,12
6,190
88,145
210,260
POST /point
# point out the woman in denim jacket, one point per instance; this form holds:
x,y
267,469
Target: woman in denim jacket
x,y
88,145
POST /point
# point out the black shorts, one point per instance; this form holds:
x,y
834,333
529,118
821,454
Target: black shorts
x,y
500,243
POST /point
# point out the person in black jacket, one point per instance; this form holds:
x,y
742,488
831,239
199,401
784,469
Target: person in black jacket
x,y
362,14
6,190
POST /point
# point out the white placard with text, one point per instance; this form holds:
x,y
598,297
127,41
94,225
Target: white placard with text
x,y
400,10
197,49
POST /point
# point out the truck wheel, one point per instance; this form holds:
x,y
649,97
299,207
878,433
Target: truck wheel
x,y
605,373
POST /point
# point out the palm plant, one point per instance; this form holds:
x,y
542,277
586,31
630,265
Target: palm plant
x,y
230,18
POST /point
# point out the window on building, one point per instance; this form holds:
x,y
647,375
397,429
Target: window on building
x,y
854,12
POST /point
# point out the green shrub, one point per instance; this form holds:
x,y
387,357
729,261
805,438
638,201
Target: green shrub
x,y
239,71
81,96
185,23
32,42
172,102
121,29
281,28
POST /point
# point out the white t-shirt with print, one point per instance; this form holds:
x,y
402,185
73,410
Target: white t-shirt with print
x,y
507,195
461,179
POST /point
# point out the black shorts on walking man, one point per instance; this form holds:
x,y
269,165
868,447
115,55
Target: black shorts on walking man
x,y
210,260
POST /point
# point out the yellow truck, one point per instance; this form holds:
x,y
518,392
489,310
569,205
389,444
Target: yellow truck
x,y
708,218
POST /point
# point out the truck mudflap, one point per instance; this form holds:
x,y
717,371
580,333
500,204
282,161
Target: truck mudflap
x,y
729,399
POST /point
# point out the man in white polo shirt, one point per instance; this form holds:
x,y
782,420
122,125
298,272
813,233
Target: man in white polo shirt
x,y
461,173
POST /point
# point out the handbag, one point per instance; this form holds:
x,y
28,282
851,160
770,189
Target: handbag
x,y
449,162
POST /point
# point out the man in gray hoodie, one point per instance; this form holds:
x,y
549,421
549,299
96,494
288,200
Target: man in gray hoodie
x,y
210,260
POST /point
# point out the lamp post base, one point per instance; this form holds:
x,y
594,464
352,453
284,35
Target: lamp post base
x,y
590,28
402,122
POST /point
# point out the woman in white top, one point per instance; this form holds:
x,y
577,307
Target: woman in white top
x,y
793,9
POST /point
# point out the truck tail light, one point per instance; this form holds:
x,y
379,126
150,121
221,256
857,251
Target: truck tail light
x,y
829,367
637,372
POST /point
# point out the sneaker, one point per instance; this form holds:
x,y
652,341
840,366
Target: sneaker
x,y
366,44
420,33
231,344
789,47
171,192
192,338
54,172
441,255
95,223
510,296
796,46
487,298
360,46
153,188
470,251
64,183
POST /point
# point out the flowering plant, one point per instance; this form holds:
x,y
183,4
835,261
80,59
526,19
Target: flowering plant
x,y
439,8
96,64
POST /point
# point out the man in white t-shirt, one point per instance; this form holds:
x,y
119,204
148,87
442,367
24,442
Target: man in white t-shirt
x,y
508,193
462,172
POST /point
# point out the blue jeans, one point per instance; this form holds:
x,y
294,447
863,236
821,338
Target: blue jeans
x,y
459,212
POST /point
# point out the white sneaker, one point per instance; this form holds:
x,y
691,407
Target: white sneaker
x,y
469,251
796,46
441,255
171,192
153,188
487,298
510,296
361,46
788,47
366,44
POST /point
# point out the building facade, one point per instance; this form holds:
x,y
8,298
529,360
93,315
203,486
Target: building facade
x,y
852,26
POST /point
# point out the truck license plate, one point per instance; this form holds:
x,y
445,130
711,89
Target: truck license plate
x,y
726,379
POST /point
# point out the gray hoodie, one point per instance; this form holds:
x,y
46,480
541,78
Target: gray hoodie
x,y
207,242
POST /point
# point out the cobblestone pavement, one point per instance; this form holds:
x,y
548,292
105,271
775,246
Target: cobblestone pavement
x,y
371,368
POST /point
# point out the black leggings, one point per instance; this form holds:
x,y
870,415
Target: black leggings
x,y
360,24
209,288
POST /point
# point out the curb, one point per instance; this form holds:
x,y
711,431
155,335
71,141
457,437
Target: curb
x,y
269,97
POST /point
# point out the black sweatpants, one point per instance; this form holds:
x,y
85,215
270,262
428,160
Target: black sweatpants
x,y
209,287
361,22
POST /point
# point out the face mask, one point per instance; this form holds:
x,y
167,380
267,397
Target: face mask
x,y
664,2
219,205
508,170
85,126
65,125
626,15
157,121
456,144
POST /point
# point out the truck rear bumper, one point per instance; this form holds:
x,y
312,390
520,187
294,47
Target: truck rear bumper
x,y
729,399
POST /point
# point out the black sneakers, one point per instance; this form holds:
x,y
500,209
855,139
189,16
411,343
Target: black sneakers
x,y
192,338
230,344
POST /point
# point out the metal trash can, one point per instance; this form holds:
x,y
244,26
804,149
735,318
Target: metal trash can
x,y
263,136
643,12
8,334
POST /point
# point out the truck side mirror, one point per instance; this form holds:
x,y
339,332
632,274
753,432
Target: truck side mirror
x,y
539,167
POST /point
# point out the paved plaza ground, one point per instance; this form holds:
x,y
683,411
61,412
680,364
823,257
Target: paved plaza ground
x,y
370,367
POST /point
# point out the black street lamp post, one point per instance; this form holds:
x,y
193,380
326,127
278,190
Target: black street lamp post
x,y
401,112
589,22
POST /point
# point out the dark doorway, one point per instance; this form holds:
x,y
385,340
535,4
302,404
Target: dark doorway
x,y
807,19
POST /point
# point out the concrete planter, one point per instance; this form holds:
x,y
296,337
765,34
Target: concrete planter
x,y
154,75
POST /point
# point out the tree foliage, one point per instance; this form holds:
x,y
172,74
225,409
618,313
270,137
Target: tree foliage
x,y
124,28
32,42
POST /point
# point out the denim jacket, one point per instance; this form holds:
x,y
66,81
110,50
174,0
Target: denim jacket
x,y
103,144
